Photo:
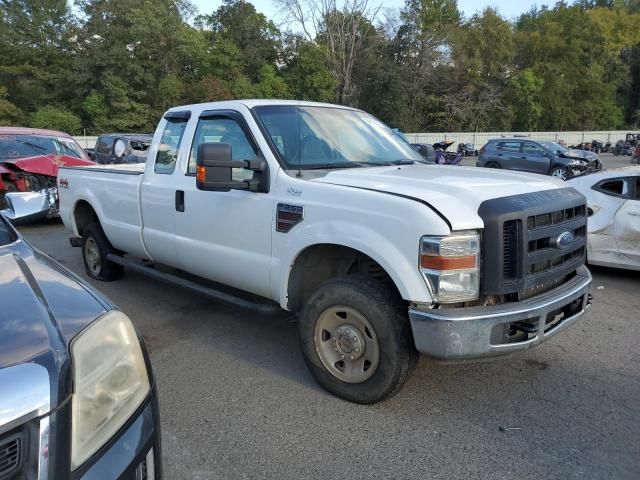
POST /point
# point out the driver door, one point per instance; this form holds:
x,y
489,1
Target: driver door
x,y
225,236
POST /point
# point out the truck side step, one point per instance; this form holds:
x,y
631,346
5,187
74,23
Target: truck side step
x,y
263,308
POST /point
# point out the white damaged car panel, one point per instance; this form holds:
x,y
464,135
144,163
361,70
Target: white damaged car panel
x,y
614,225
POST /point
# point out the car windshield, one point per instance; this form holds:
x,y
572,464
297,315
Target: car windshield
x,y
554,147
21,146
309,137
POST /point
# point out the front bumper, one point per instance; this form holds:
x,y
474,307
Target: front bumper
x,y
459,334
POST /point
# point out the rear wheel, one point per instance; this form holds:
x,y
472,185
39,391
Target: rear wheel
x,y
493,165
560,172
95,248
356,339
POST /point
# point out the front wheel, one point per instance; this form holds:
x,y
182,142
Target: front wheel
x,y
493,165
560,172
356,339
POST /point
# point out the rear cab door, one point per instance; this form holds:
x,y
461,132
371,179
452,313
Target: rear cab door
x,y
158,197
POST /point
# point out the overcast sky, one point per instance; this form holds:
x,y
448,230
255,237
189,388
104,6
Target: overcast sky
x,y
508,8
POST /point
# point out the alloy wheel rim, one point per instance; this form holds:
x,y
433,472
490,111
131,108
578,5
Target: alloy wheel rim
x,y
346,344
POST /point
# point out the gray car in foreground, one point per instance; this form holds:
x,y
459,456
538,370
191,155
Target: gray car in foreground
x,y
537,156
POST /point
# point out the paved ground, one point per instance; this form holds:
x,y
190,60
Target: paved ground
x,y
238,402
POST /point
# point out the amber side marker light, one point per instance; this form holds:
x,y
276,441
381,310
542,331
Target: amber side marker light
x,y
447,263
201,174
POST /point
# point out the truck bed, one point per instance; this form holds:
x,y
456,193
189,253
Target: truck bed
x,y
114,193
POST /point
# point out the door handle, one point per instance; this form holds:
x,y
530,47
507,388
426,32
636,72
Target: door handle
x,y
179,200
635,213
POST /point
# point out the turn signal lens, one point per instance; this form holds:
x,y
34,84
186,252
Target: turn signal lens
x,y
201,174
448,263
450,266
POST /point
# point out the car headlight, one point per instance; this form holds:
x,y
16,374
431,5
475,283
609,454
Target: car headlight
x,y
110,383
578,163
450,266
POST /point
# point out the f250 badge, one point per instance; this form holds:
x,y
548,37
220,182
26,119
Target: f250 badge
x,y
63,183
294,192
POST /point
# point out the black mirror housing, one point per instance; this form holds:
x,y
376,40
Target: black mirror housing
x,y
214,167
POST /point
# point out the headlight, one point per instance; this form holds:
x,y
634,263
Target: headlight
x,y
110,383
578,163
450,266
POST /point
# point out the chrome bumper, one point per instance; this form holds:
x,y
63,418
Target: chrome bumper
x,y
459,334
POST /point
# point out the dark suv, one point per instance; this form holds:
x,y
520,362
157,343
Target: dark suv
x,y
537,156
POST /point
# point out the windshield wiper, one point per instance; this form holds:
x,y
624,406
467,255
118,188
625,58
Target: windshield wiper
x,y
330,166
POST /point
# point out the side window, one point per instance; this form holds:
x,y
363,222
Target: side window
x,y
531,148
169,145
612,187
509,146
223,130
636,195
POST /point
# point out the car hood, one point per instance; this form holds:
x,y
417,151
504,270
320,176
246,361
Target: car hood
x,y
42,307
47,164
453,191
580,155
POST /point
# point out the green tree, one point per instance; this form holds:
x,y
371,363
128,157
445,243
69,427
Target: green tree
x,y
526,91
306,72
57,118
9,113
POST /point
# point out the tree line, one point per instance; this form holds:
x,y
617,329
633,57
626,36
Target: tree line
x,y
117,65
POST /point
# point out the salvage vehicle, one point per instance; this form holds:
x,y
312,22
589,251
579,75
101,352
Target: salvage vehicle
x,y
116,148
622,148
537,156
322,210
29,161
426,151
77,394
467,149
613,198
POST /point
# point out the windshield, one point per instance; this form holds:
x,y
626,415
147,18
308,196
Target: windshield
x,y
554,147
326,137
20,146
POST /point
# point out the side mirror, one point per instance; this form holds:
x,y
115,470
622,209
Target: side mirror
x,y
214,168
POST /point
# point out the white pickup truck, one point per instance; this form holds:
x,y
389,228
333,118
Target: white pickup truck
x,y
323,210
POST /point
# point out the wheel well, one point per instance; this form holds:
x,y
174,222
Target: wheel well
x,y
84,215
319,263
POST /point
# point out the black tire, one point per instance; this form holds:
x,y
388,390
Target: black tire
x,y
386,313
561,172
493,165
95,248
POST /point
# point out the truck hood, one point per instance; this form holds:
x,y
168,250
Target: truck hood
x,y
42,307
46,164
453,191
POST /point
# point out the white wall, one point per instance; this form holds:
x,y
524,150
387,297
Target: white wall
x,y
481,138
478,139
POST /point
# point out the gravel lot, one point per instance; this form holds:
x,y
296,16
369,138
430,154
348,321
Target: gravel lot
x,y
237,401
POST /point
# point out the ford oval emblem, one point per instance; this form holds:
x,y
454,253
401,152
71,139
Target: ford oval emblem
x,y
564,240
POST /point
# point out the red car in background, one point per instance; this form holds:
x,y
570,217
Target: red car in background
x,y
29,161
